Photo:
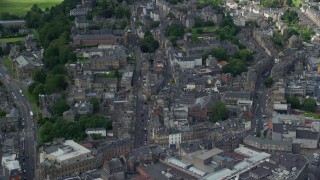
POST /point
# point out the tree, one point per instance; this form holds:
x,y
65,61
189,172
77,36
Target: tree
x,y
55,83
289,3
258,134
265,133
32,86
95,103
220,53
39,89
39,76
309,105
294,102
175,31
219,111
47,132
2,113
268,82
59,107
95,121
244,55
148,44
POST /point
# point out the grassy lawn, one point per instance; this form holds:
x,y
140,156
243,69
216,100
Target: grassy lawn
x,y
8,63
83,59
211,1
33,101
11,39
208,29
20,7
296,3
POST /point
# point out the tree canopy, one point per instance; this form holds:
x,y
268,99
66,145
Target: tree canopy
x,y
268,81
95,103
219,111
148,43
295,103
59,107
174,32
310,105
59,128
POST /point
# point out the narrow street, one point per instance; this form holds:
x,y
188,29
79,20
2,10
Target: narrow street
x,y
28,132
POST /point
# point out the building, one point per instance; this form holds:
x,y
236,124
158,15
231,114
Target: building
x,y
79,11
267,144
113,149
64,158
26,65
11,166
96,39
101,131
46,103
126,80
9,23
174,139
294,129
261,165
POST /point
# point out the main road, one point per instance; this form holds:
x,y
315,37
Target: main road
x,y
28,134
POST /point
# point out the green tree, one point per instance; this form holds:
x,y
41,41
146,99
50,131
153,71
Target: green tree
x,y
47,132
244,54
219,111
268,81
3,113
295,103
55,83
148,44
95,103
258,134
32,86
309,105
59,107
95,121
39,89
174,31
220,53
39,76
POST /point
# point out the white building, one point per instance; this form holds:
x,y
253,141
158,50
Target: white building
x,y
187,62
174,139
10,165
101,131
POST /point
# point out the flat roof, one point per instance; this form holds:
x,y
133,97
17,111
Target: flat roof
x,y
209,153
223,173
71,149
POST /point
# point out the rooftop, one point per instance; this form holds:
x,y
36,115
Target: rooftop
x,y
210,153
307,134
67,150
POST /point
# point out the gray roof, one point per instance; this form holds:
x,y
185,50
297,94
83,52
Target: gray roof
x,y
261,172
115,163
138,152
237,95
268,141
96,129
22,61
283,128
95,37
307,134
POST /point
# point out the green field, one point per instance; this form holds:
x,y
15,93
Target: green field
x,y
12,39
207,29
8,63
20,7
297,3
